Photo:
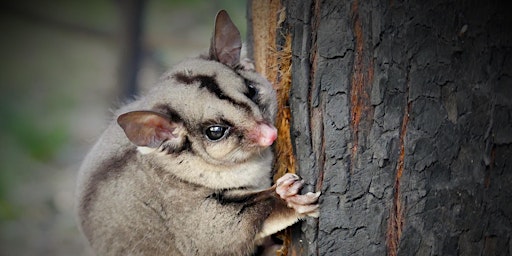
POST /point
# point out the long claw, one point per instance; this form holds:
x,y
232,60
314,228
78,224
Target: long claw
x,y
288,187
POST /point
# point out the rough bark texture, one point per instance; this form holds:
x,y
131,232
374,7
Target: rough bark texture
x,y
401,114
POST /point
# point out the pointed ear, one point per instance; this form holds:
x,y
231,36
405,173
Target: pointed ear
x,y
149,129
226,43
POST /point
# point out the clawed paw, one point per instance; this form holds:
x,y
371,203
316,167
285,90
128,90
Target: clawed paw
x,y
288,187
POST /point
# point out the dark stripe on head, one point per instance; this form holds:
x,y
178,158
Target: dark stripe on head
x,y
227,122
239,67
174,117
168,111
183,78
169,149
210,83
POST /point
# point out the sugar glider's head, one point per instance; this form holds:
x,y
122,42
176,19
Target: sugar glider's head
x,y
215,107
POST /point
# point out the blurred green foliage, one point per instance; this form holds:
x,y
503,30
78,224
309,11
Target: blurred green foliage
x,y
26,139
40,144
52,52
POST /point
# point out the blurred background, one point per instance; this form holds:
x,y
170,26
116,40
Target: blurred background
x,y
64,66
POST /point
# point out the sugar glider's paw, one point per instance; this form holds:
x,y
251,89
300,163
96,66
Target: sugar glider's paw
x,y
288,187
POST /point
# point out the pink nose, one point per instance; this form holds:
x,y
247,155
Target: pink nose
x,y
267,135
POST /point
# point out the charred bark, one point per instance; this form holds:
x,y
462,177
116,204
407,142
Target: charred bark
x,y
401,114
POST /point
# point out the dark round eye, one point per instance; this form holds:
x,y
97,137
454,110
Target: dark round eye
x,y
216,132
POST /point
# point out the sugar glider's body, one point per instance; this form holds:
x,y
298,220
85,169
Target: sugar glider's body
x,y
185,170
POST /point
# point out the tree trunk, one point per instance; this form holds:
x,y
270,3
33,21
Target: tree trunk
x,y
132,46
401,114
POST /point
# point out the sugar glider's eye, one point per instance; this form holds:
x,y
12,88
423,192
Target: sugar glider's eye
x,y
216,132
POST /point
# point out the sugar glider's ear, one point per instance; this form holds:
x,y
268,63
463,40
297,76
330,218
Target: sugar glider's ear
x,y
226,42
151,129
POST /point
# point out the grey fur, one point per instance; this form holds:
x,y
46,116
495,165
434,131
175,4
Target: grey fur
x,y
154,184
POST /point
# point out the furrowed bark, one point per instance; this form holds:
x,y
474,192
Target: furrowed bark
x,y
401,114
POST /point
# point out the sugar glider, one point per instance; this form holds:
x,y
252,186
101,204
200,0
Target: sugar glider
x,y
186,169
